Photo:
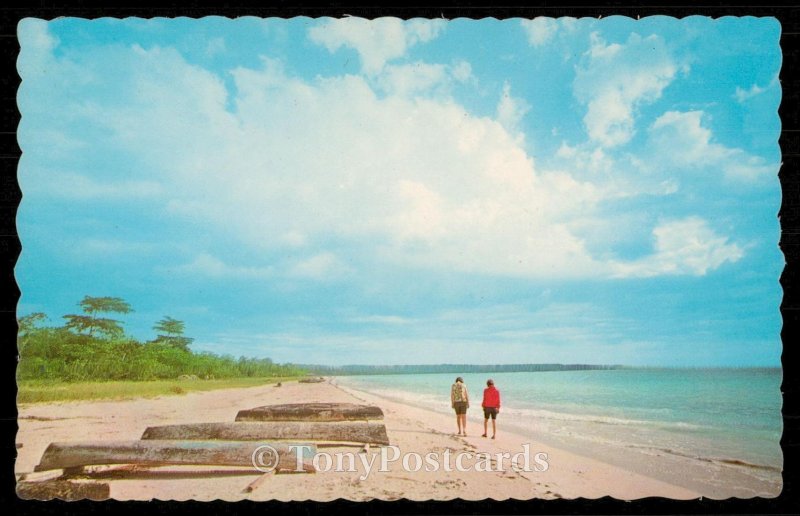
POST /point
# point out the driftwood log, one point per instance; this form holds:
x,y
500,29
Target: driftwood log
x,y
264,478
63,489
255,484
165,453
312,380
361,432
311,412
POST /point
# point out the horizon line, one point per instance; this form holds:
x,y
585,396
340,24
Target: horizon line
x,y
540,364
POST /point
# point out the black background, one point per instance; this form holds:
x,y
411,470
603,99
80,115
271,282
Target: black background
x,y
787,503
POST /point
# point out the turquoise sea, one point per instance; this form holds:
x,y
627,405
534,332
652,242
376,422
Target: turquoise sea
x,y
729,417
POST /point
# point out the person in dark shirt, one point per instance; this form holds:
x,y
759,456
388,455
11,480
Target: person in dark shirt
x,y
491,406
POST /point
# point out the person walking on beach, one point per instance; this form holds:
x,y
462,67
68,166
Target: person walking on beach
x,y
491,406
459,400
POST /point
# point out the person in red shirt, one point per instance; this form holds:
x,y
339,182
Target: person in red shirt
x,y
491,406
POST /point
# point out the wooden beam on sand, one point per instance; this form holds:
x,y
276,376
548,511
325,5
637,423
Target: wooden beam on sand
x,y
311,412
255,484
361,432
63,489
166,453
264,478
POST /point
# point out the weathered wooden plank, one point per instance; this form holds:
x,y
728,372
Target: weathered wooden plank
x,y
63,489
255,484
163,453
311,412
264,478
361,432
39,476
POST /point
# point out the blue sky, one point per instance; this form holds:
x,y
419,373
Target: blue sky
x,y
424,191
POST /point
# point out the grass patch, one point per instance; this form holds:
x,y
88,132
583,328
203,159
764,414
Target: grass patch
x,y
35,391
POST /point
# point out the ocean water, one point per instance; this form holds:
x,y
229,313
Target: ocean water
x,y
729,417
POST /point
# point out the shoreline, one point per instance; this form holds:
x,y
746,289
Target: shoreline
x,y
576,476
412,429
711,477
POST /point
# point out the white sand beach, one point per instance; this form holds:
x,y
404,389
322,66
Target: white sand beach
x,y
410,429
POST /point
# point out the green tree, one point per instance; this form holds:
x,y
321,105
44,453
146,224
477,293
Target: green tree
x,y
28,327
27,324
91,323
170,331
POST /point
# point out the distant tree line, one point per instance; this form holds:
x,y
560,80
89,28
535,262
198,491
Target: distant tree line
x,y
93,345
346,370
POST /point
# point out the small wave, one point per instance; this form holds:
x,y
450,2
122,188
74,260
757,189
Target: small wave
x,y
606,420
739,462
716,460
440,404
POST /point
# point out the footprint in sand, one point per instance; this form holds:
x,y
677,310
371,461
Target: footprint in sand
x,y
450,484
390,495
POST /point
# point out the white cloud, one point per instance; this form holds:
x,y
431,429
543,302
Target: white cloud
x,y
424,179
323,266
71,185
392,320
685,246
511,110
412,78
416,182
376,41
681,140
461,70
422,78
569,24
540,30
88,250
105,247
36,45
294,239
419,172
741,95
562,332
614,79
208,265
215,47
618,175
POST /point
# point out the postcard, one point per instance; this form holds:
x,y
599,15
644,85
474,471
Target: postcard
x,y
427,259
